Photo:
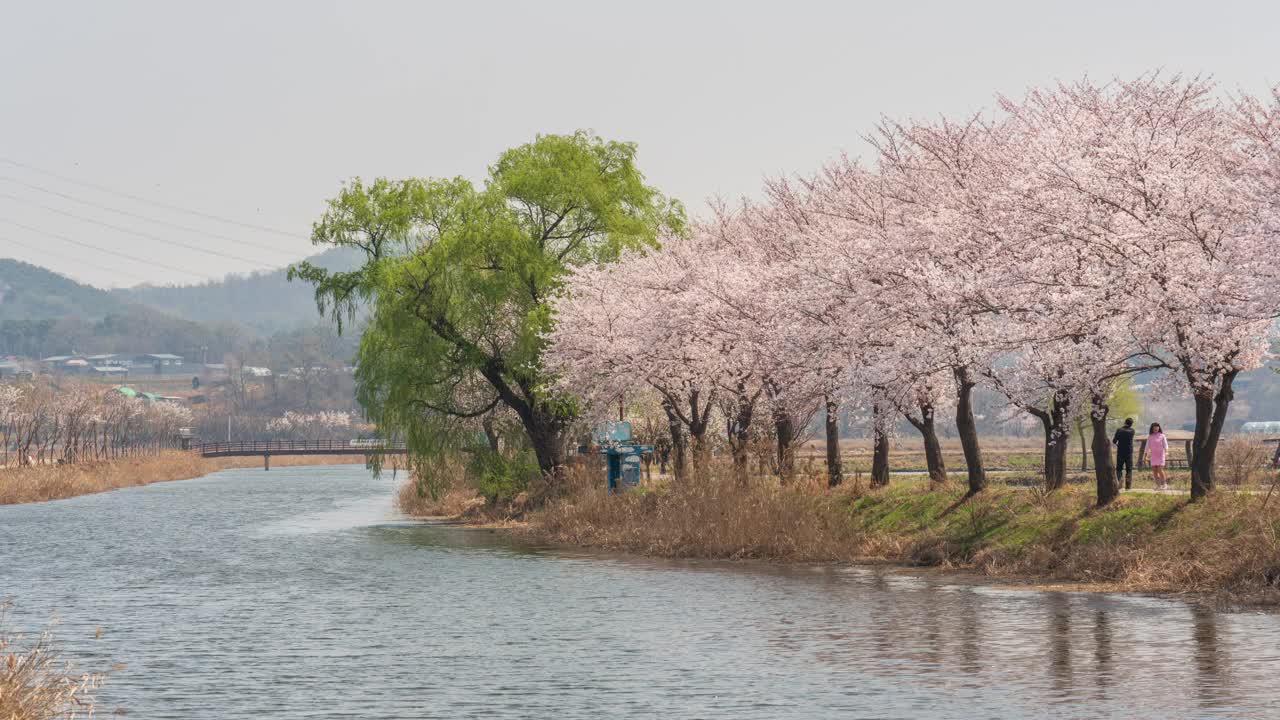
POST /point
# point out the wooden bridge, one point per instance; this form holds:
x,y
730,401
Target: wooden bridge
x,y
267,448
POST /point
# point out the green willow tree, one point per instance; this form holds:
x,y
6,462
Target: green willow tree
x,y
457,280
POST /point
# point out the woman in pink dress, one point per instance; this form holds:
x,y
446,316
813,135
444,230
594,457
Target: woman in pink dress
x,y
1158,444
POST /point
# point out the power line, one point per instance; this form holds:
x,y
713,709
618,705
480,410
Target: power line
x,y
138,233
138,216
68,258
137,198
116,253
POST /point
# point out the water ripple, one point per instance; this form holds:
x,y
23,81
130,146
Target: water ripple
x,y
299,594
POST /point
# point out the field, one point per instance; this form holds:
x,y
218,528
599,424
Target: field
x,y
1000,453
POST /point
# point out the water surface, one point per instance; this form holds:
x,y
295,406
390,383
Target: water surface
x,y
298,593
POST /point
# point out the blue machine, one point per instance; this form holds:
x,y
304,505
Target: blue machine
x,y
622,456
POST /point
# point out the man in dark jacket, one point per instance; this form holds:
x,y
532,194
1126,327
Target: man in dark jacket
x,y
1123,440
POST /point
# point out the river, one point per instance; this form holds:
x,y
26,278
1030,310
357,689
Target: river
x,y
299,593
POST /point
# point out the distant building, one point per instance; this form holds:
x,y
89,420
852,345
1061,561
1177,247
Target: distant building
x,y
109,359
108,371
64,363
11,371
216,370
249,371
311,370
1271,427
158,363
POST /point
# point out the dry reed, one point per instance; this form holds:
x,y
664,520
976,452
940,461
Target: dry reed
x,y
712,517
453,502
35,683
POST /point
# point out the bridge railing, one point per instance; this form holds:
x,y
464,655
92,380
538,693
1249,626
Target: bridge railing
x,y
285,446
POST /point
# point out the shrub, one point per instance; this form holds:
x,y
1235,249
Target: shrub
x,y
501,477
1241,460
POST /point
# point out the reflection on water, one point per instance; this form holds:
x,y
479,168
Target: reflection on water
x,y
1104,665
300,594
1211,686
1060,644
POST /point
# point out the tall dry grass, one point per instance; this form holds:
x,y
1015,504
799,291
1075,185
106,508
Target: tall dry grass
x,y
710,517
56,482
1225,546
35,683
449,496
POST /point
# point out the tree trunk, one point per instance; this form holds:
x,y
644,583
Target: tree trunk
x,y
928,429
699,452
880,450
1084,446
1104,467
688,411
967,429
785,432
489,433
698,421
741,466
545,435
835,474
674,427
1055,458
739,435
1211,415
1056,436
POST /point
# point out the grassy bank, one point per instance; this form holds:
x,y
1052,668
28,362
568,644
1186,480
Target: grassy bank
x,y
1227,547
56,482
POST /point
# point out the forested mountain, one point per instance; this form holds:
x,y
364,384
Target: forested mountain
x,y
43,313
130,329
30,292
264,301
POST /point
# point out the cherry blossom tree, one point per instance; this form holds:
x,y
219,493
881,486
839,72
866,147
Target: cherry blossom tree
x,y
861,276
624,326
1154,203
1088,233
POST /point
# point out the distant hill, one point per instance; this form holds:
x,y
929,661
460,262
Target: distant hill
x,y
29,292
263,301
43,313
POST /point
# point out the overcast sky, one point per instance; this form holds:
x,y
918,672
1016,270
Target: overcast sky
x,y
254,112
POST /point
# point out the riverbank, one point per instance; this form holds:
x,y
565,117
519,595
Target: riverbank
x,y
1225,548
58,482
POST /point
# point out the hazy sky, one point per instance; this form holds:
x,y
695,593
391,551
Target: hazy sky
x,y
256,111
